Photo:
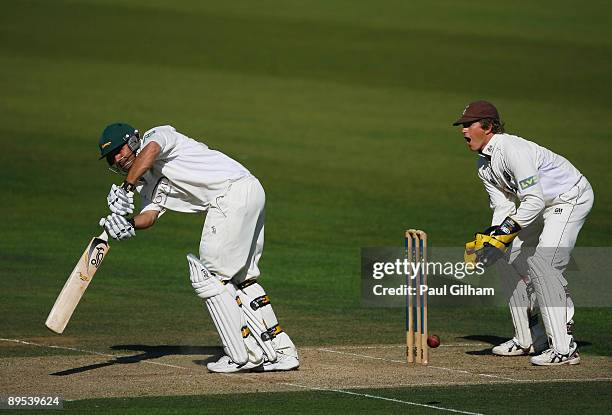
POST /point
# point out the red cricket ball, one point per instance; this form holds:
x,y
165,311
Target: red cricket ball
x,y
433,341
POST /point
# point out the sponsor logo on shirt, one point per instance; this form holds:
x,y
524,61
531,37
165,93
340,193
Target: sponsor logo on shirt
x,y
558,211
161,191
149,134
528,182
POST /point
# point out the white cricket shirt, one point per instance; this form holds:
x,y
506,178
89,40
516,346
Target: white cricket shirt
x,y
514,169
187,175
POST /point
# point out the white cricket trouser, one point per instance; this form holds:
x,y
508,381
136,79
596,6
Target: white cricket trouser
x,y
542,251
233,235
231,246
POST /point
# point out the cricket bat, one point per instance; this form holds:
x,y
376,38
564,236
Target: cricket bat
x,y
77,283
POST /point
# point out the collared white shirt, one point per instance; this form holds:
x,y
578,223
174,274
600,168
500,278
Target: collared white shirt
x,y
514,169
186,176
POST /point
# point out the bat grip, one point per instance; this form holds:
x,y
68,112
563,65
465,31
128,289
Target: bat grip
x,y
104,235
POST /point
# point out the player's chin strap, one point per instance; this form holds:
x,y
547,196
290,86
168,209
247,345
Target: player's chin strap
x,y
133,142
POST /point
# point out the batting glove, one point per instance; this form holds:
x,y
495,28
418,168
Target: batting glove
x,y
121,199
118,227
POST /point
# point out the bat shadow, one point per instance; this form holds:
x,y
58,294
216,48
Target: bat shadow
x,y
146,353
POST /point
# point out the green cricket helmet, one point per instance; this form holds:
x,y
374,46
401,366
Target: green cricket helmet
x,y
114,137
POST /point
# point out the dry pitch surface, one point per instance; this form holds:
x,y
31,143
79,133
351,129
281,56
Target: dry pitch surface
x,y
131,371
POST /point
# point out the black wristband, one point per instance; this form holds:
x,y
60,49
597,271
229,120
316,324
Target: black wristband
x,y
509,226
131,222
128,187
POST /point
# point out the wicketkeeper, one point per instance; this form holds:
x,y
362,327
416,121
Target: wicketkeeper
x,y
540,202
172,171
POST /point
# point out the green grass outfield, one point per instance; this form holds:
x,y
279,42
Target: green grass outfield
x,y
342,109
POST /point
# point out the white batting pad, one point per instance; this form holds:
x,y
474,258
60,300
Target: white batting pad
x,y
281,342
519,310
256,323
550,290
522,303
223,308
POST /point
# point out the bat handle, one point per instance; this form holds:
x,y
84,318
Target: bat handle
x,y
103,235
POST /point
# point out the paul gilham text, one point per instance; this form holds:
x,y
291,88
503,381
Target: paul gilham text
x,y
454,290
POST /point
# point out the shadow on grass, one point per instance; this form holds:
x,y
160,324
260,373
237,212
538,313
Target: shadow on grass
x,y
147,353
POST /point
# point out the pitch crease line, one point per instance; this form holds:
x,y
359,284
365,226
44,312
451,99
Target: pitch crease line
x,y
562,380
366,395
360,355
428,366
403,346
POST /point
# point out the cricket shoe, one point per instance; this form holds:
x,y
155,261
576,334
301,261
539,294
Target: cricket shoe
x,y
551,357
512,348
226,365
283,362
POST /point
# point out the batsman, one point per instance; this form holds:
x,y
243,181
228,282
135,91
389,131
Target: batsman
x,y
172,171
540,202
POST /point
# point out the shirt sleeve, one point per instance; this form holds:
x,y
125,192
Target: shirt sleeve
x,y
147,192
163,137
501,203
147,205
522,163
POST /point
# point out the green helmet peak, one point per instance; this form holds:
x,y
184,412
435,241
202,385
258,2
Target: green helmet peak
x,y
115,136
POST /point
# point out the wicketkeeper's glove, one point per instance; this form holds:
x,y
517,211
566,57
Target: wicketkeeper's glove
x,y
492,244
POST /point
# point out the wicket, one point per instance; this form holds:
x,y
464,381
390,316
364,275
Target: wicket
x,y
416,301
